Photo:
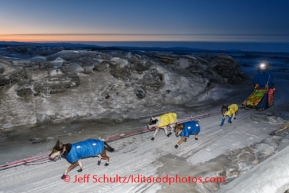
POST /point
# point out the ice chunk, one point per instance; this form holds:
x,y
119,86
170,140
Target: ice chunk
x,y
264,149
57,62
275,120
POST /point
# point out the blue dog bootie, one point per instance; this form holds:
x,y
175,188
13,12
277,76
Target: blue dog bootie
x,y
222,123
230,120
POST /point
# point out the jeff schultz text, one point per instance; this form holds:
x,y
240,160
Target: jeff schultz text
x,y
88,178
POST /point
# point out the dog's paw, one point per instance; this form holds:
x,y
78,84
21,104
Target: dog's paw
x,y
185,140
80,170
229,121
152,138
63,176
196,138
106,164
235,118
98,163
169,134
176,146
221,125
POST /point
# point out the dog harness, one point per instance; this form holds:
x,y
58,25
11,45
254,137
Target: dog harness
x,y
190,128
167,119
87,148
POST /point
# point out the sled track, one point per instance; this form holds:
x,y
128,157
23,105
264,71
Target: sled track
x,y
145,162
43,158
210,138
201,144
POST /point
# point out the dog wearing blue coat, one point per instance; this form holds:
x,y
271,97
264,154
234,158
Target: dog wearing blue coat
x,y
76,151
186,129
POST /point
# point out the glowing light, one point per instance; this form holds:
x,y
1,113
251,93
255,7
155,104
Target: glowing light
x,y
262,66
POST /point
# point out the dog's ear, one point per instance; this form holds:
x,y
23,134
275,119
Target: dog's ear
x,y
61,145
180,126
57,143
151,120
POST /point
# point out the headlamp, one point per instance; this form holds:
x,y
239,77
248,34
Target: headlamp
x,y
262,66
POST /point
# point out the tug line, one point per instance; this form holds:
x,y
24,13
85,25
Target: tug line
x,y
121,136
43,158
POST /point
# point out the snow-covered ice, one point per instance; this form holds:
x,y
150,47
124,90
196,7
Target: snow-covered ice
x,y
251,160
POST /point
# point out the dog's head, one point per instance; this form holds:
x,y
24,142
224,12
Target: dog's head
x,y
154,121
56,151
224,109
178,129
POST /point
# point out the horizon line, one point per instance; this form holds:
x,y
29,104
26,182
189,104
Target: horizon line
x,y
142,34
173,41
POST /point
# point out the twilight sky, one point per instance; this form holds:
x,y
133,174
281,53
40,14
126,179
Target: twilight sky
x,y
145,20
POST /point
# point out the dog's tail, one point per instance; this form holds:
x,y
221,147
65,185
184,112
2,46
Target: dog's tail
x,y
107,147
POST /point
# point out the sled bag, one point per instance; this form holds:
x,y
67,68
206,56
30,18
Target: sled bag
x,y
256,97
271,96
263,104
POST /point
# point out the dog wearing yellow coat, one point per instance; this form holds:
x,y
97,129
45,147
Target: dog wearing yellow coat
x,y
230,111
165,121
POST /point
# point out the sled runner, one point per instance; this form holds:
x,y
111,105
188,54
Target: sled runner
x,y
260,99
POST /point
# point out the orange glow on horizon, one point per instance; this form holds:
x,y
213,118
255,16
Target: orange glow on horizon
x,y
67,38
130,37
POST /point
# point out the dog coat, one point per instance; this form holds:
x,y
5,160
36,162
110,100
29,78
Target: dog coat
x,y
167,119
190,128
87,148
233,108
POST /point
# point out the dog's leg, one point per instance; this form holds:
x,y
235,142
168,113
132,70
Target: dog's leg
x,y
156,131
230,120
234,115
73,165
196,136
166,131
179,143
80,165
103,154
99,159
223,120
170,130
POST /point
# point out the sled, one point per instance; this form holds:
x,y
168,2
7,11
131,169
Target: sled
x,y
260,99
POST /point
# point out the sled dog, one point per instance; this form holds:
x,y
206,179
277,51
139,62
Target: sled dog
x,y
186,129
76,151
164,121
230,111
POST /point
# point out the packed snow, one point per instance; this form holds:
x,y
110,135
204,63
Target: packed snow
x,y
243,152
